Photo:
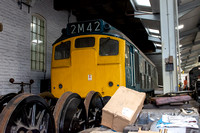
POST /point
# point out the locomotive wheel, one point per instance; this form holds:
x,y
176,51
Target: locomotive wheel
x,y
27,113
93,104
50,99
5,99
69,113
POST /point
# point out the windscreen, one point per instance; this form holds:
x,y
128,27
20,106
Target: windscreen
x,y
62,51
108,47
84,42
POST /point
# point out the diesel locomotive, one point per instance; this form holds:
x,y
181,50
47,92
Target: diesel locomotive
x,y
93,55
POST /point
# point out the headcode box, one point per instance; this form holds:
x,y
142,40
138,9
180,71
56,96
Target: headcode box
x,y
122,109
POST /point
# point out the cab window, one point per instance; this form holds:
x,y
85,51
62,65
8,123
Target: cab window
x,y
108,47
127,56
62,51
84,42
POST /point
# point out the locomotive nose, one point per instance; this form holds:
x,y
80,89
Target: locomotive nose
x,y
84,70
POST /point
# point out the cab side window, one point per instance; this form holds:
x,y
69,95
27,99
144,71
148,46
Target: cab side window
x,y
127,56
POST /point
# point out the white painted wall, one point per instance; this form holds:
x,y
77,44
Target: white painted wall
x,y
15,42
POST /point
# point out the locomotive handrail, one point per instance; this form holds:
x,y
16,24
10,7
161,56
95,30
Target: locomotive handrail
x,y
22,84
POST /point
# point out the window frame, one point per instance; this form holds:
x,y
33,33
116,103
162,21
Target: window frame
x,y
75,43
106,41
63,43
38,35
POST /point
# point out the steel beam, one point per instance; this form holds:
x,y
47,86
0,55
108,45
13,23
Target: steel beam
x,y
189,32
170,38
148,16
133,5
188,53
188,60
189,64
181,14
188,6
187,57
189,67
190,45
154,39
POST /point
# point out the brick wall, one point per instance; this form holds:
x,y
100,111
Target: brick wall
x,y
15,42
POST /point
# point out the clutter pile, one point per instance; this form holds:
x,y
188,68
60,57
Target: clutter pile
x,y
124,113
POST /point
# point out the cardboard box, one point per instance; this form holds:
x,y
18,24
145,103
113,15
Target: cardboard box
x,y
122,109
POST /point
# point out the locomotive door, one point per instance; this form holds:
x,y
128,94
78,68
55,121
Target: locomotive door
x,y
129,63
84,71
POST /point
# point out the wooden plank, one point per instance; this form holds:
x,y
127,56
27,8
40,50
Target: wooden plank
x,y
175,99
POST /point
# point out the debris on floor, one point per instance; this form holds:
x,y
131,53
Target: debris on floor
x,y
177,121
126,112
172,100
122,109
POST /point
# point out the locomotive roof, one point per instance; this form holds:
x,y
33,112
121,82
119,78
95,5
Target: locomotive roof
x,y
109,30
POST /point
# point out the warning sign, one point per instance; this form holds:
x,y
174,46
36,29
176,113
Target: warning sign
x,y
89,77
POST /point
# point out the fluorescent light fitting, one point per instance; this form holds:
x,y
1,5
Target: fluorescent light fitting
x,y
180,26
180,46
37,41
143,2
154,31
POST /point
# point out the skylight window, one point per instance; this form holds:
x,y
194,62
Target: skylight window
x,y
158,45
155,36
143,2
154,31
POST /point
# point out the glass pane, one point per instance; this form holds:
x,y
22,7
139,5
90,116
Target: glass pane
x,y
41,66
34,28
40,39
137,67
33,65
37,65
33,47
145,67
108,47
38,21
33,56
127,56
34,38
41,49
41,57
38,29
37,56
84,42
34,19
37,47
41,31
62,51
42,23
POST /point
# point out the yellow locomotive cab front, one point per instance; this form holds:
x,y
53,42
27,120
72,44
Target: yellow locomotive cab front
x,y
84,65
